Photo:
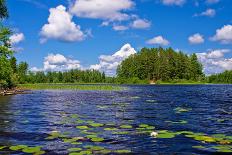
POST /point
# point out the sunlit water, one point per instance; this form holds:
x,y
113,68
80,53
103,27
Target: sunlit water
x,y
29,119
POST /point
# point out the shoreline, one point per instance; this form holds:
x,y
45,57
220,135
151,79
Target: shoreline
x,y
13,91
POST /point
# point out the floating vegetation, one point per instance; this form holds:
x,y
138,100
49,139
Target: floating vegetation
x,y
181,110
122,151
82,127
126,126
223,148
32,150
2,147
96,124
97,139
177,122
121,133
76,149
110,129
198,147
166,134
17,147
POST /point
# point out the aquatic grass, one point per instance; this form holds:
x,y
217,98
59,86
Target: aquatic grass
x,y
82,127
122,151
70,87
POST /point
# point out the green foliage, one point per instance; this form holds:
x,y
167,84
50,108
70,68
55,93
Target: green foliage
x,y
3,9
159,64
225,77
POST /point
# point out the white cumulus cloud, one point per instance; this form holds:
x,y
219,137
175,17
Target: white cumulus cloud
x,y
141,24
113,10
58,62
120,27
208,13
214,61
61,27
173,2
16,38
196,39
224,35
159,40
109,63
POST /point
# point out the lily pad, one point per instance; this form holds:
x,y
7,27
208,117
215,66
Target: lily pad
x,y
126,126
76,149
2,147
122,151
143,125
97,139
96,124
17,147
223,148
32,149
110,129
82,127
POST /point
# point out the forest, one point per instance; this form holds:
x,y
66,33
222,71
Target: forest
x,y
225,77
158,64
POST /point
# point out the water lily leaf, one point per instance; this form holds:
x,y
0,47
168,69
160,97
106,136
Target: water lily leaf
x,y
2,147
143,125
17,147
32,149
97,139
74,149
122,151
96,124
110,129
76,143
39,153
126,126
82,127
166,135
223,148
91,136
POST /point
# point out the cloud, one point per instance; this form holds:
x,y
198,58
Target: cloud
x,y
58,62
61,27
141,24
112,10
208,13
120,27
224,35
17,38
214,61
159,40
109,63
212,1
196,39
173,2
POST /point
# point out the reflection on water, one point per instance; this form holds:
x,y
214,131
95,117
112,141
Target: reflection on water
x,y
29,119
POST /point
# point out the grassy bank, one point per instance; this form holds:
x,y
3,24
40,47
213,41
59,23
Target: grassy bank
x,y
70,87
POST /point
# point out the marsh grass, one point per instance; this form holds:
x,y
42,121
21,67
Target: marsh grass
x,y
70,87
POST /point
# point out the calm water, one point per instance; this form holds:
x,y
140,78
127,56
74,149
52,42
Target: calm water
x,y
29,119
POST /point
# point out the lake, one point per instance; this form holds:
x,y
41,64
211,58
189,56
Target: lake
x,y
188,119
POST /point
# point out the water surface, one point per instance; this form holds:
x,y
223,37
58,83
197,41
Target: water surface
x,y
29,119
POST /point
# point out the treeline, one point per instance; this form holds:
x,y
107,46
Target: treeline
x,y
72,76
6,71
160,64
225,77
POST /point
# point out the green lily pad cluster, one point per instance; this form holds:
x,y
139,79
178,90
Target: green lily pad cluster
x,y
25,149
182,110
144,128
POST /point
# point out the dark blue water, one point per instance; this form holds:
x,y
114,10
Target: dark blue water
x,y
28,119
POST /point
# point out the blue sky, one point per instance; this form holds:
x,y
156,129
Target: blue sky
x,y
99,34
